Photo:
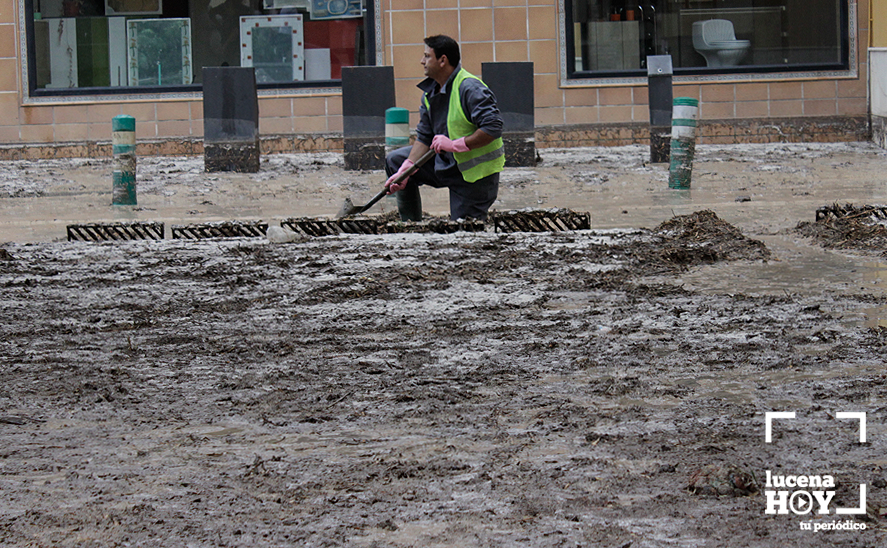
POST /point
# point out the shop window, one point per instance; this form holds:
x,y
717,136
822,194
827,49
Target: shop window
x,y
81,46
158,51
274,47
614,37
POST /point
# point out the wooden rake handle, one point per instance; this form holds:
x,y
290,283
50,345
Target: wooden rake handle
x,y
382,193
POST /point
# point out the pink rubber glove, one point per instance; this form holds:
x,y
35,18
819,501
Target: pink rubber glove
x,y
442,143
404,167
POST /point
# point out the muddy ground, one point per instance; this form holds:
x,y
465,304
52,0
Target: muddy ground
x,y
583,388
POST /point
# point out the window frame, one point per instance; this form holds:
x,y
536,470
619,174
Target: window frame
x,y
847,68
33,95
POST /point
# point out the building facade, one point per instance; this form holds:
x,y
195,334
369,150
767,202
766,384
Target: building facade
x,y
762,70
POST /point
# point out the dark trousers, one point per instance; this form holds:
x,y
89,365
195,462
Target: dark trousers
x,y
467,200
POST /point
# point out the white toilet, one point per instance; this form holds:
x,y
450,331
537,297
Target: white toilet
x,y
716,41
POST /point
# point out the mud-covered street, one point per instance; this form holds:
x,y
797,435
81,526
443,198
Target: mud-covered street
x,y
604,387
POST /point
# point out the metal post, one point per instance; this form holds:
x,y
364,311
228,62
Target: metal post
x,y
367,92
123,140
659,72
397,128
512,83
683,142
397,135
231,120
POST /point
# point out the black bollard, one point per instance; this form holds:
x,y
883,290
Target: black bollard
x,y
367,92
230,119
512,83
659,72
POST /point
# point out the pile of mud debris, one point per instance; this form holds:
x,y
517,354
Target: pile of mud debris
x,y
683,242
703,237
862,228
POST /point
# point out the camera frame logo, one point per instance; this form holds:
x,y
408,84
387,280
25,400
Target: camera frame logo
x,y
804,495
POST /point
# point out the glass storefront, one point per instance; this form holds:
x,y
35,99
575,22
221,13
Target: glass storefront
x,y
614,37
78,46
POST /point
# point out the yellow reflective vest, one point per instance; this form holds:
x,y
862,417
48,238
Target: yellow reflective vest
x,y
479,162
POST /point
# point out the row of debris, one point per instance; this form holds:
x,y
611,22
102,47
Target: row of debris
x,y
848,226
868,214
529,220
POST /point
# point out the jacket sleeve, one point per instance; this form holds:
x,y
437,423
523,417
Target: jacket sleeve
x,y
481,107
424,128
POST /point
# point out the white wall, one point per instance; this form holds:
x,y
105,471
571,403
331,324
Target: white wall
x,y
878,81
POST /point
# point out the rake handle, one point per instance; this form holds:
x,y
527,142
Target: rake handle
x,y
382,193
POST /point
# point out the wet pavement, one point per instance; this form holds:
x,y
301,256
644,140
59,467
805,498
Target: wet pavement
x,y
759,188
765,190
593,388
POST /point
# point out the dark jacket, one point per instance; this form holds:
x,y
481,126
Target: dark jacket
x,y
480,107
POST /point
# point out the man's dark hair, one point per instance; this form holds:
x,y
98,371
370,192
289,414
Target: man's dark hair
x,y
444,45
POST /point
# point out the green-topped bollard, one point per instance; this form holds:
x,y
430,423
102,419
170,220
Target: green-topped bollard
x,y
683,141
397,128
123,139
397,135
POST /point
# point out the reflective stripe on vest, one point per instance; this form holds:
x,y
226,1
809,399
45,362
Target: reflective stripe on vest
x,y
479,162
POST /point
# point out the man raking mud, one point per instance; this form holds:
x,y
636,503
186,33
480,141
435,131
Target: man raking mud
x,y
460,120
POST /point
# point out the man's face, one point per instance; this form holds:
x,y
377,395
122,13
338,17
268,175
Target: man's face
x,y
433,65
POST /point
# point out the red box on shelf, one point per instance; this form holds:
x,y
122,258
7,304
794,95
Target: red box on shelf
x,y
339,36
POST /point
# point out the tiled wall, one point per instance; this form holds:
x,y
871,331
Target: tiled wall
x,y
9,71
488,30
